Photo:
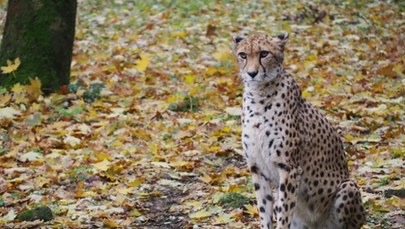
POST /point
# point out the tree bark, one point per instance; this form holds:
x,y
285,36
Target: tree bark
x,y
41,34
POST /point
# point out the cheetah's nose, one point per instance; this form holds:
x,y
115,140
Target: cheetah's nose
x,y
252,74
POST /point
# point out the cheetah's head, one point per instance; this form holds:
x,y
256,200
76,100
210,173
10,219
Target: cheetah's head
x,y
260,56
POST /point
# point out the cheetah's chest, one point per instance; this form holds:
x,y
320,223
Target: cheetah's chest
x,y
259,134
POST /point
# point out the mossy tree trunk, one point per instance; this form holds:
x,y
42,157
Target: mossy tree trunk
x,y
41,34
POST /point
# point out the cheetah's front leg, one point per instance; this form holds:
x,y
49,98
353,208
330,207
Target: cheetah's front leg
x,y
263,195
287,192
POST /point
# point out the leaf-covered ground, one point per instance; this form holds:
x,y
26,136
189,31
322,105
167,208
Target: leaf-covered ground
x,y
147,135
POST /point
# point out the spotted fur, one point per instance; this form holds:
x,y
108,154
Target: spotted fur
x,y
298,165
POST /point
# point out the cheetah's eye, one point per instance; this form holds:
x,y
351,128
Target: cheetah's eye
x,y
263,54
242,55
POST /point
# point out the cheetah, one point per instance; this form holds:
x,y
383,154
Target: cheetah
x,y
296,158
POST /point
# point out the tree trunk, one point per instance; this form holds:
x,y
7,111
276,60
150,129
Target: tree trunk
x,y
41,34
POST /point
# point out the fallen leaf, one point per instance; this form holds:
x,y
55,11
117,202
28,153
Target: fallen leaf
x,y
34,89
223,54
200,214
142,63
9,217
11,66
31,156
252,210
9,113
102,166
235,111
5,99
71,141
223,218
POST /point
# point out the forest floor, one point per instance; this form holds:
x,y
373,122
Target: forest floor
x,y
147,135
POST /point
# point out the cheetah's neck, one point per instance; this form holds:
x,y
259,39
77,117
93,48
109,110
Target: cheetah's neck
x,y
282,93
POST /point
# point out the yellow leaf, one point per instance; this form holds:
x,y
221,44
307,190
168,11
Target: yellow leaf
x,y
102,156
120,199
195,204
401,184
66,201
373,138
79,189
102,166
380,110
5,99
352,139
226,129
376,206
212,70
222,54
135,183
116,144
207,179
142,63
125,190
189,79
89,194
396,201
361,182
18,88
154,148
200,214
101,56
179,34
20,92
136,213
142,134
21,98
174,98
11,67
398,68
34,89
41,181
180,163
214,148
252,210
310,61
194,91
223,218
110,223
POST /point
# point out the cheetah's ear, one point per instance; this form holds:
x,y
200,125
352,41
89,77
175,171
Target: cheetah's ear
x,y
281,40
283,36
237,39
